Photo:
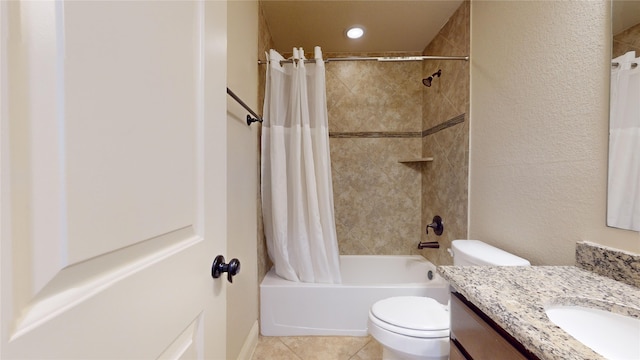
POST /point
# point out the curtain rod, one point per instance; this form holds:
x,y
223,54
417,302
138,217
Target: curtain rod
x,y
250,119
379,58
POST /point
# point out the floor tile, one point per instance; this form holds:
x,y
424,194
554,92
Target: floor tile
x,y
317,348
325,347
371,351
269,348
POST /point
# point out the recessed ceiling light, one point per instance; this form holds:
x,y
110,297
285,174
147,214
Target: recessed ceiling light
x,y
355,32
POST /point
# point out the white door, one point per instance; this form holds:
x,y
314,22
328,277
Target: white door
x,y
113,158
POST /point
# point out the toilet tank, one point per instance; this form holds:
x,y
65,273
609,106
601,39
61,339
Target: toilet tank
x,y
475,252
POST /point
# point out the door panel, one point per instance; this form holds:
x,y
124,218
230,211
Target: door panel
x,y
132,153
109,222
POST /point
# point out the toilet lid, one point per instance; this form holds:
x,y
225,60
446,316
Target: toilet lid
x,y
412,312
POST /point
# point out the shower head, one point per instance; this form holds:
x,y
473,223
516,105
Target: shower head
x,y
427,81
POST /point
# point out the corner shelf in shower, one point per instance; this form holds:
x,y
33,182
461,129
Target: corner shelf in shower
x,y
416,160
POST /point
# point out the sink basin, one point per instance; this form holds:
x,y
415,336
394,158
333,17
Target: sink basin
x,y
611,335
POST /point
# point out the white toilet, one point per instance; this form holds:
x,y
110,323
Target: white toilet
x,y
413,327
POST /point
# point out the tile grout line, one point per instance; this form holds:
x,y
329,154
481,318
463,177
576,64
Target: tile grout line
x,y
290,349
361,348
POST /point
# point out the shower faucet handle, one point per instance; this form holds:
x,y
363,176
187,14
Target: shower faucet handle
x,y
436,225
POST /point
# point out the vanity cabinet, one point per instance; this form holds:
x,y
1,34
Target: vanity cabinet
x,y
475,336
454,352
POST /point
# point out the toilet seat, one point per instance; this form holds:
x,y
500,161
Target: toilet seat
x,y
415,316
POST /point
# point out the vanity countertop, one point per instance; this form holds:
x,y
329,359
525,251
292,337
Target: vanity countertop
x,y
515,298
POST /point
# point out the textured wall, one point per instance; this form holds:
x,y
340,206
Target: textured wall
x,y
539,110
444,181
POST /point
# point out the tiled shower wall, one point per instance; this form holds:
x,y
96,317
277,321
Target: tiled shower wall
x,y
628,40
444,181
375,117
380,113
265,42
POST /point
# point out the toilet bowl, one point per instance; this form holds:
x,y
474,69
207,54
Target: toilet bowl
x,y
413,327
410,327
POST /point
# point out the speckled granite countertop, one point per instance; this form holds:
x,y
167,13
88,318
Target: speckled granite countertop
x,y
515,298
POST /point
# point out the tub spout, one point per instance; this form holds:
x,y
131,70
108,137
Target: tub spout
x,y
428,244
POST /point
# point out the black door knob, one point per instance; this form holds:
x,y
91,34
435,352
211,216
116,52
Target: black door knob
x,y
218,267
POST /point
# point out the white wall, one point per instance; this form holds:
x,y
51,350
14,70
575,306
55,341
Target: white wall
x,y
539,125
242,176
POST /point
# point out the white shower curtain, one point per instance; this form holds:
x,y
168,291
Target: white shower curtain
x,y
297,193
623,208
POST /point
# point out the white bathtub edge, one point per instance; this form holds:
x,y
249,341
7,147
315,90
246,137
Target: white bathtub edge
x,y
306,309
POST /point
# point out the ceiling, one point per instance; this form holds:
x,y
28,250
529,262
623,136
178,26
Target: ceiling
x,y
390,26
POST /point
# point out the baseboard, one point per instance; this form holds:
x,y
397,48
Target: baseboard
x,y
250,343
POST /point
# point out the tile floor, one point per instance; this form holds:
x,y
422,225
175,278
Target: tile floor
x,y
317,348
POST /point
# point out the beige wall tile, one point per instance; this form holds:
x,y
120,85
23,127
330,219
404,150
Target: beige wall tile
x,y
628,40
444,181
265,42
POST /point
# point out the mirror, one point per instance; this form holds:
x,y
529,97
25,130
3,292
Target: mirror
x,y
623,193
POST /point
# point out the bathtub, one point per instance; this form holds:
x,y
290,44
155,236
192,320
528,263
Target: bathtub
x,y
290,308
